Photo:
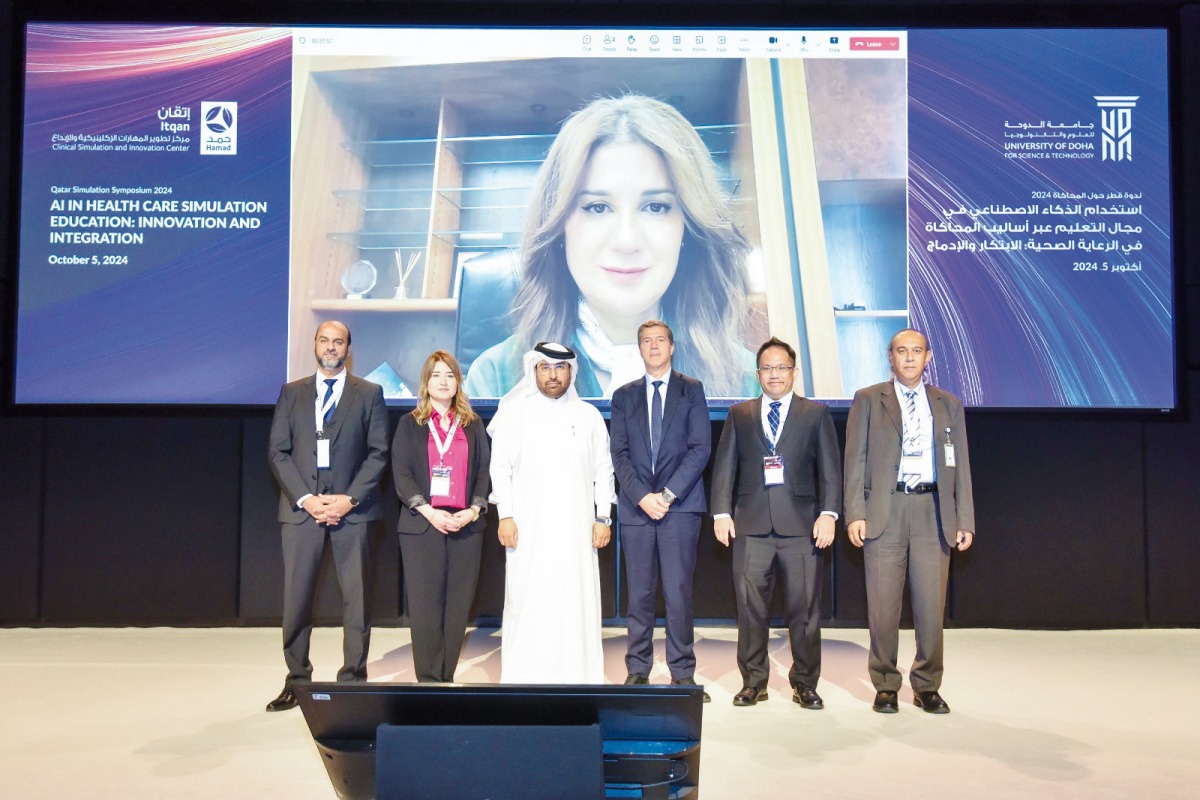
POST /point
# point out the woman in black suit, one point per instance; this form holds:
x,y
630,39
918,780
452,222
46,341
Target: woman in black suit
x,y
440,458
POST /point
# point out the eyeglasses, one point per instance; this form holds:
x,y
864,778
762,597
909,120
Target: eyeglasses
x,y
546,369
768,369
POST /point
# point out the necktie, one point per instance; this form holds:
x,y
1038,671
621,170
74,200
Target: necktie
x,y
912,430
325,402
773,420
656,411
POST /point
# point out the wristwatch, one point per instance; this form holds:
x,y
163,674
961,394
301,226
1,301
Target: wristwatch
x,y
606,520
353,502
668,496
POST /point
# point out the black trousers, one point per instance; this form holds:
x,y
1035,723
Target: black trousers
x,y
795,561
440,574
303,548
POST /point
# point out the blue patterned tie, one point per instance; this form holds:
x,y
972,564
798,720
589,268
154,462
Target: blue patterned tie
x,y
773,419
328,394
912,430
656,411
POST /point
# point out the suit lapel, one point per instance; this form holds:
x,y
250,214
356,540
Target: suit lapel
x,y
349,392
937,405
672,401
641,414
887,396
304,415
758,425
423,454
794,410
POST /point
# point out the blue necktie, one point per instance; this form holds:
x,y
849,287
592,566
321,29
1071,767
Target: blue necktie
x,y
328,394
773,419
912,430
655,424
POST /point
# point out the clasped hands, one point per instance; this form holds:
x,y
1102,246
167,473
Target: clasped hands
x,y
327,509
446,522
655,507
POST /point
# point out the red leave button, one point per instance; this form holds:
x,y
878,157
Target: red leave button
x,y
874,43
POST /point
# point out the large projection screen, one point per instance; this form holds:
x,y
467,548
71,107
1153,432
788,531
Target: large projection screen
x,y
196,199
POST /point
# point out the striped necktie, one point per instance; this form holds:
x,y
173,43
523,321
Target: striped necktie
x,y
910,407
773,420
912,430
325,402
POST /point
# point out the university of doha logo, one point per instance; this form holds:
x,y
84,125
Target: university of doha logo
x,y
1116,126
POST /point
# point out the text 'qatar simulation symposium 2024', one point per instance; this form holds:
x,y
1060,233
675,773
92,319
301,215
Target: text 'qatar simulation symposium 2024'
x,y
157,191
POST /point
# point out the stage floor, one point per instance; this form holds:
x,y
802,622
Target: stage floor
x,y
178,713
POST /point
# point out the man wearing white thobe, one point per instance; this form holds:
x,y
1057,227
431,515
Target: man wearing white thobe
x,y
552,484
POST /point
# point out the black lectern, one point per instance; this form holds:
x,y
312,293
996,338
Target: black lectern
x,y
649,738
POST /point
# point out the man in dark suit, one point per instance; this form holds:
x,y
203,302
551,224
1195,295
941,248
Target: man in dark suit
x,y
908,485
328,449
776,484
660,443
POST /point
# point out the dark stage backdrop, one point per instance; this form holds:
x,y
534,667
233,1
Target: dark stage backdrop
x,y
150,518
1083,522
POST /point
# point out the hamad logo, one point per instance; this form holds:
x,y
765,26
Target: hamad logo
x,y
219,119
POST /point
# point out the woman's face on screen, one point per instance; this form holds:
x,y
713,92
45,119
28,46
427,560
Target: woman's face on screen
x,y
623,235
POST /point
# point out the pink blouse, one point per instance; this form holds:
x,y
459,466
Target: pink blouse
x,y
456,458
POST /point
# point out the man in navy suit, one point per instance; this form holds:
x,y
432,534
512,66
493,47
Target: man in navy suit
x,y
660,444
777,481
328,449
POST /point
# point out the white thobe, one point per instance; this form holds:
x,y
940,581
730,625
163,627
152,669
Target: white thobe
x,y
552,473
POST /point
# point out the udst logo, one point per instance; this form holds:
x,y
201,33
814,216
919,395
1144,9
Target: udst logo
x,y
218,129
1116,126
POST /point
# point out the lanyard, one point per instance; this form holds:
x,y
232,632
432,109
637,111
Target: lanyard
x,y
442,445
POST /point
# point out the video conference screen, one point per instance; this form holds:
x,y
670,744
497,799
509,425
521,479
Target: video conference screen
x,y
197,199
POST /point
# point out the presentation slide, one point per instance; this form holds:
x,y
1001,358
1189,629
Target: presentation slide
x,y
196,200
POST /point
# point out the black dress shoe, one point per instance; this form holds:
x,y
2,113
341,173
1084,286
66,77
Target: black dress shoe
x,y
807,698
749,695
634,679
930,702
885,703
689,682
286,700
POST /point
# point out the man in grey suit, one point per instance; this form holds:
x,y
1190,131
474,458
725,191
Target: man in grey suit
x,y
328,449
908,503
778,456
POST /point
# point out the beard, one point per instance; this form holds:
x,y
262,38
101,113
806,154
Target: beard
x,y
330,362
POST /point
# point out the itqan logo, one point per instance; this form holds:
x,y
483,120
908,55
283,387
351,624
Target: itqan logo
x,y
1116,126
218,135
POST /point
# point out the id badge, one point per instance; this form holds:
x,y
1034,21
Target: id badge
x,y
773,470
322,453
439,481
912,464
949,448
